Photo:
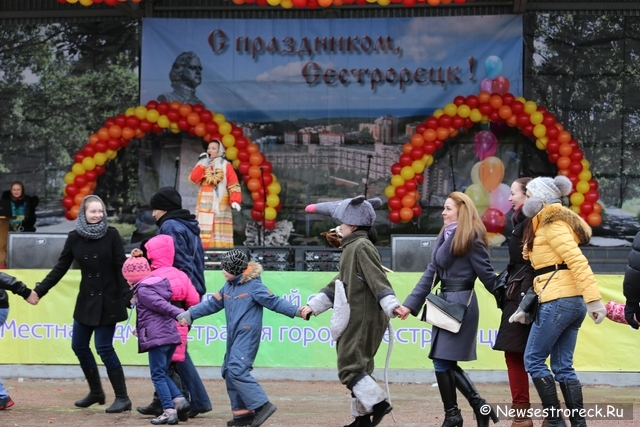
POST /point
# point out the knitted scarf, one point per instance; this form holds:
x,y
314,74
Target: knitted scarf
x,y
90,231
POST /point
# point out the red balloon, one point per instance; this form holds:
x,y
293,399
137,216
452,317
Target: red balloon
x,y
574,180
417,210
198,108
395,203
79,156
421,128
576,155
586,207
553,157
548,119
258,205
575,168
553,132
267,179
100,170
432,123
396,168
445,121
121,120
419,178
109,122
591,196
472,101
429,147
183,124
517,107
406,160
80,181
89,150
132,122
236,131
458,100
417,153
593,184
457,122
173,115
68,202
113,143
485,109
211,128
145,125
394,216
267,167
205,116
410,185
256,215
401,191
241,143
523,119
72,190
270,224
91,175
553,146
508,99
494,220
162,107
68,214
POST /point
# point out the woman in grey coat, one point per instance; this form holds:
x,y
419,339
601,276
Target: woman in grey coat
x,y
459,257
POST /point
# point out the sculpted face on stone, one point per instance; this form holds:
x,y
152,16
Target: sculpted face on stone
x,y
185,76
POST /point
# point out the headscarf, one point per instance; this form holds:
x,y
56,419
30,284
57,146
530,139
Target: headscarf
x,y
91,231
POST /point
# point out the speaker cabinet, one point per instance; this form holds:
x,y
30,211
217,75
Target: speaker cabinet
x,y
35,250
411,253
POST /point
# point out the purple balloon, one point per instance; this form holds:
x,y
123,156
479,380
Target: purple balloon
x,y
485,144
485,85
498,128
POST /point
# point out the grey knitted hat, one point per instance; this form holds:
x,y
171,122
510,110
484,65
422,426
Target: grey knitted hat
x,y
357,211
545,190
234,262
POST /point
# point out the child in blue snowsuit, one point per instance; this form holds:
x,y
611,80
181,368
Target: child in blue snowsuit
x,y
243,297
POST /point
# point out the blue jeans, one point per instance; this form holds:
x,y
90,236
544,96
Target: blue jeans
x,y
442,365
554,333
103,341
159,361
192,385
4,312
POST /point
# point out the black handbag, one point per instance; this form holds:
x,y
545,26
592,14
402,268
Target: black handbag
x,y
501,286
447,315
531,301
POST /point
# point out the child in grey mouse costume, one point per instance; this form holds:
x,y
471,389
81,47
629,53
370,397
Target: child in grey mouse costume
x,y
363,301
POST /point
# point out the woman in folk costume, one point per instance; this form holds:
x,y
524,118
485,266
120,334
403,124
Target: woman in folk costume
x,y
219,193
363,301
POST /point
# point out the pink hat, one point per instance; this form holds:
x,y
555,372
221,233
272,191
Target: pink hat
x,y
136,267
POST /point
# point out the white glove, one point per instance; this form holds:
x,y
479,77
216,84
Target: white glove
x,y
596,311
235,206
203,159
519,317
184,318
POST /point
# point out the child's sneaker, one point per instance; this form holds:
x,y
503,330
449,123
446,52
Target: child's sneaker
x,y
6,403
167,417
262,413
240,422
182,407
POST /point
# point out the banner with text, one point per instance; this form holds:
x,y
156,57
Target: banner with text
x,y
42,334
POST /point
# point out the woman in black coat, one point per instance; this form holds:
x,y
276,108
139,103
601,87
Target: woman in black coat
x,y
23,208
101,302
512,337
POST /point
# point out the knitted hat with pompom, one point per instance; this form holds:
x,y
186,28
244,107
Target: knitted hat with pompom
x,y
136,267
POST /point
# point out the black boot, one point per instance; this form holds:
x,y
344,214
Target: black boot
x,y
572,392
447,387
122,402
469,391
154,408
96,394
546,387
361,421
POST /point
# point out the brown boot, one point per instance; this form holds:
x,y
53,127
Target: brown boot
x,y
521,417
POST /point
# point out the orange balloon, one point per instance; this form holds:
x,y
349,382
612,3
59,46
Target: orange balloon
x,y
564,172
594,219
254,184
77,199
495,101
185,109
175,105
408,201
255,172
103,134
253,148
255,159
564,162
193,118
442,133
597,208
407,148
200,129
491,173
565,149
406,213
484,97
324,3
128,133
429,135
505,112
73,212
255,195
94,138
417,140
564,136
115,131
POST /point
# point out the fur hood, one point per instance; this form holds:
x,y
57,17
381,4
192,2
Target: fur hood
x,y
253,271
556,212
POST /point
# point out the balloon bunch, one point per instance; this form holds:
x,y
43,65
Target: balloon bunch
x,y
314,4
90,2
157,117
487,191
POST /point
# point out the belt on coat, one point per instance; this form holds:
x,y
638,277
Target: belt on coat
x,y
448,285
549,269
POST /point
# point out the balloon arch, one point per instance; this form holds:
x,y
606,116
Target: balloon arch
x,y
487,190
157,117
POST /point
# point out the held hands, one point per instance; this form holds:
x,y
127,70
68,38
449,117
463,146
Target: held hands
x,y
402,312
33,298
631,313
596,311
520,316
305,312
235,206
184,318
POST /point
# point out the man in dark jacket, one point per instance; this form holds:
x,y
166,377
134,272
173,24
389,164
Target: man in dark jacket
x,y
182,225
631,285
17,287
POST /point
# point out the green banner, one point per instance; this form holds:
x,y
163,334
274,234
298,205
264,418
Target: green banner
x,y
42,334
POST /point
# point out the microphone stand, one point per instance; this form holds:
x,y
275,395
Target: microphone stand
x,y
264,197
366,184
175,181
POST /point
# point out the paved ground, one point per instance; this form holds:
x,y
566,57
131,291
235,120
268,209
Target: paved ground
x,y
42,402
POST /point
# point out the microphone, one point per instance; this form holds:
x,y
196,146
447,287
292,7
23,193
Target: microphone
x,y
177,162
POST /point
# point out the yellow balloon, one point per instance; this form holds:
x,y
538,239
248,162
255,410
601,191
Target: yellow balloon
x,y
228,140
273,200
539,130
536,118
86,2
530,107
173,127
69,177
78,169
273,3
232,153
100,158
438,113
141,112
72,1
475,116
286,4
475,173
418,166
397,181
389,191
130,112
407,173
88,163
521,99
464,111
582,187
274,188
479,196
163,121
585,175
540,144
585,164
428,160
153,116
384,2
270,213
111,154
451,109
219,118
273,178
224,128
236,163
577,198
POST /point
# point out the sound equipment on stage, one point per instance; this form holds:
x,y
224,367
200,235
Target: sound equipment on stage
x,y
411,253
212,258
273,258
35,250
322,260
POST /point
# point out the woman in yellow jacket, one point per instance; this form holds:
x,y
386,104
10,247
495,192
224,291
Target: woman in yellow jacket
x,y
567,290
